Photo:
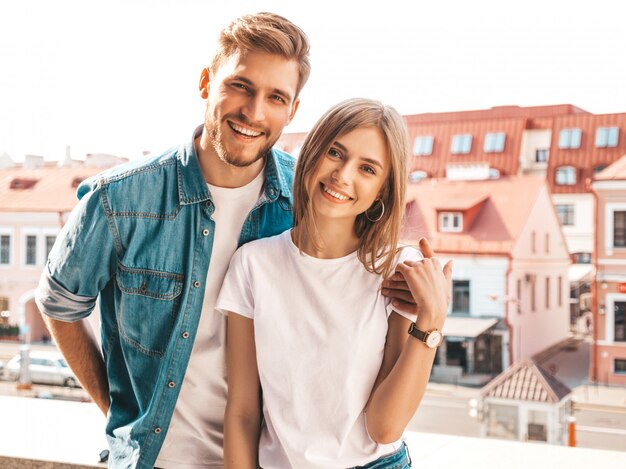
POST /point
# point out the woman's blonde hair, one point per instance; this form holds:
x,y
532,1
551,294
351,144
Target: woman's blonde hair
x,y
264,32
378,240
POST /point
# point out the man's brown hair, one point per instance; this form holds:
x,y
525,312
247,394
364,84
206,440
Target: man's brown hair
x,y
264,32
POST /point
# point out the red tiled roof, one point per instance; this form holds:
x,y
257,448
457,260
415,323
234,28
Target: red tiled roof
x,y
53,191
495,228
587,156
526,381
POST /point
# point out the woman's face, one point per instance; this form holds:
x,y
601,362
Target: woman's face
x,y
350,174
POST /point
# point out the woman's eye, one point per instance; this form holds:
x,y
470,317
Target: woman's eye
x,y
334,153
369,169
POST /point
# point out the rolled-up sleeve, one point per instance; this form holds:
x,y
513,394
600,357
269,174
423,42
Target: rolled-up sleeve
x,y
81,263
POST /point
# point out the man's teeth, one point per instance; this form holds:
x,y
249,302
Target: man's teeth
x,y
244,131
336,195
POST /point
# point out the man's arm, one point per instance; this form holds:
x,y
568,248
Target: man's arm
x,y
78,345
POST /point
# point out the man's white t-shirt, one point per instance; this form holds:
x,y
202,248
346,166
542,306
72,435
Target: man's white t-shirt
x,y
320,327
195,435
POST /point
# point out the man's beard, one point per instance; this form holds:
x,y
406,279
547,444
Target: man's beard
x,y
215,139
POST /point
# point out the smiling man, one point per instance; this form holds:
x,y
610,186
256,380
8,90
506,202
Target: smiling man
x,y
153,240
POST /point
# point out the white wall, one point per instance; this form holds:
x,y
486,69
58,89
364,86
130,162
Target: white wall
x,y
531,141
487,282
579,236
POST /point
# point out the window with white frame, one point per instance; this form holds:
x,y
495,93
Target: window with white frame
x,y
565,176
569,139
50,239
460,296
451,222
494,142
461,144
542,155
30,255
5,249
619,229
619,366
619,321
607,137
566,214
423,145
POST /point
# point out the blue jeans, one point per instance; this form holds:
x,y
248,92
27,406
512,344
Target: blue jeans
x,y
399,459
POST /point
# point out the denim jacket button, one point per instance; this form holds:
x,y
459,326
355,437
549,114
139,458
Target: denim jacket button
x,y
205,232
157,430
171,384
185,335
196,284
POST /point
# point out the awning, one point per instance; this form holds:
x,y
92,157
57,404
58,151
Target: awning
x,y
466,327
580,272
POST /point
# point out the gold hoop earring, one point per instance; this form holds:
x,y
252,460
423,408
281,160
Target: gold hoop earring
x,y
382,211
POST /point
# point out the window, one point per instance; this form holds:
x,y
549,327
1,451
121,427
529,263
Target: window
x,y
533,242
533,296
599,168
560,292
607,137
31,250
620,366
581,258
451,222
566,214
566,176
542,155
5,249
494,142
4,303
50,239
547,247
569,138
619,229
519,296
619,321
417,176
461,144
460,296
547,292
423,145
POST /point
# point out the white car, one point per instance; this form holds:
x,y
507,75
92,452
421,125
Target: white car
x,y
46,367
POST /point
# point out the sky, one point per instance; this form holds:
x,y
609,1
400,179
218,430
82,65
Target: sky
x,y
121,76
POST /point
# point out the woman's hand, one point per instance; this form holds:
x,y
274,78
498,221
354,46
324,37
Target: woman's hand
x,y
429,285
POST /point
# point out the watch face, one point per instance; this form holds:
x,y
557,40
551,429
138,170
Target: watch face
x,y
433,339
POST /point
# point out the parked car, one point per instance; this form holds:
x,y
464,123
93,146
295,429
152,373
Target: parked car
x,y
1,368
46,367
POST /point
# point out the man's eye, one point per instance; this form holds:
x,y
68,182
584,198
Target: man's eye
x,y
279,99
240,86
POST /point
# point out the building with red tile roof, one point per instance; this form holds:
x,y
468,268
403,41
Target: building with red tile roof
x,y
35,201
608,353
510,268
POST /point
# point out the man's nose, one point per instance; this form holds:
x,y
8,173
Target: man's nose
x,y
254,109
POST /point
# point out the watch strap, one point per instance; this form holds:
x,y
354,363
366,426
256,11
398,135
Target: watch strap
x,y
415,332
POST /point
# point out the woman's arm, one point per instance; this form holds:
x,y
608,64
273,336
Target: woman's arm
x,y
242,419
407,362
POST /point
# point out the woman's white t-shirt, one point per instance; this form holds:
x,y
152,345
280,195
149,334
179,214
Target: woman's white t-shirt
x,y
320,327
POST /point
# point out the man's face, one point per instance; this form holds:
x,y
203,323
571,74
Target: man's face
x,y
251,99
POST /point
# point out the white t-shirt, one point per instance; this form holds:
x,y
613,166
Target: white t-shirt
x,y
320,327
196,433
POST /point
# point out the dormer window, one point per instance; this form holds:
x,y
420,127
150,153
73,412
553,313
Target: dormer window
x,y
22,183
451,222
494,142
461,144
423,145
607,137
569,138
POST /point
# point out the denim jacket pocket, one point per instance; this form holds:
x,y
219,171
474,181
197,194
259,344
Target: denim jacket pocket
x,y
148,307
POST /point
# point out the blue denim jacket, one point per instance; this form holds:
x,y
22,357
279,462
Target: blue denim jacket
x,y
141,238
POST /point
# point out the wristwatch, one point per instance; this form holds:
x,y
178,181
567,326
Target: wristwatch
x,y
432,339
